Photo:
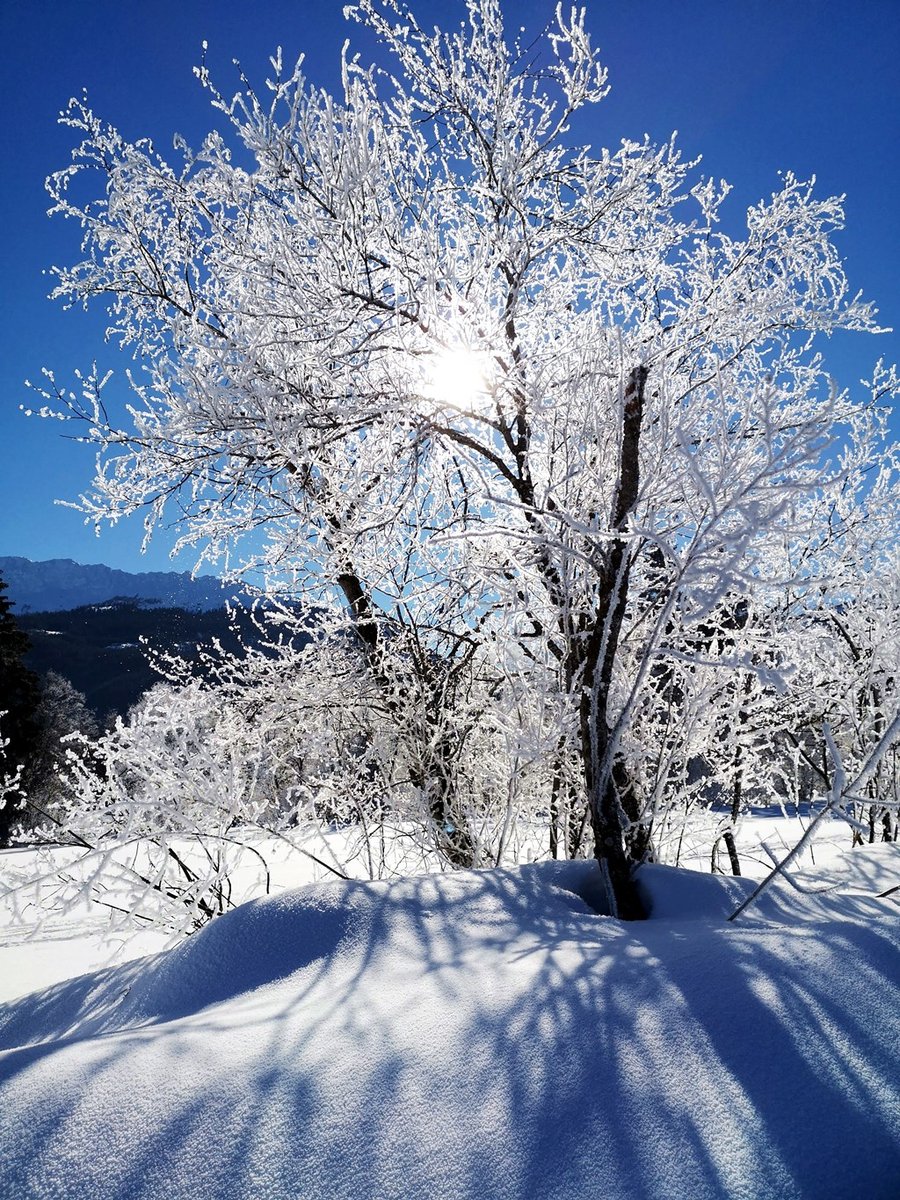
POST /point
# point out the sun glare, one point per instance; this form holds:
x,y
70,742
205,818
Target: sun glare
x,y
459,377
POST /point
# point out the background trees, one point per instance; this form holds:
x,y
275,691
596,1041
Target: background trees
x,y
61,711
19,726
525,410
37,714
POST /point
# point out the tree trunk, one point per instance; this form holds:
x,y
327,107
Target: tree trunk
x,y
607,824
435,780
434,775
603,774
728,838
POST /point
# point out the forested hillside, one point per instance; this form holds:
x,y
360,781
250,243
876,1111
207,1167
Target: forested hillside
x,y
102,648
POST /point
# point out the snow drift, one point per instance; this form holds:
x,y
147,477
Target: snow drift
x,y
477,1034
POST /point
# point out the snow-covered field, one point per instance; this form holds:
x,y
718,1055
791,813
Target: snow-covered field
x,y
481,1034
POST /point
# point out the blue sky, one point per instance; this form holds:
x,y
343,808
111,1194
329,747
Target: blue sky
x,y
756,87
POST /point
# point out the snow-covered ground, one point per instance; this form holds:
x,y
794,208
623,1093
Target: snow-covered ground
x,y
45,939
481,1034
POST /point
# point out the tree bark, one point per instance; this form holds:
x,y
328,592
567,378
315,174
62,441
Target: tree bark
x,y
605,777
728,838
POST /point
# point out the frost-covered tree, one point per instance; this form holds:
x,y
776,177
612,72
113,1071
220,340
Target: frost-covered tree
x,y
61,711
478,385
844,644
10,779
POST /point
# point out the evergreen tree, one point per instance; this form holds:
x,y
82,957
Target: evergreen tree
x,y
19,698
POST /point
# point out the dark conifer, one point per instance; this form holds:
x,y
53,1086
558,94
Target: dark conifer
x,y
19,699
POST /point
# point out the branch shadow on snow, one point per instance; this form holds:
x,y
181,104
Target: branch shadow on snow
x,y
472,1035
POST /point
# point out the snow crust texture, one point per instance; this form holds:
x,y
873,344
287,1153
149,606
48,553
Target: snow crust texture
x,y
479,1034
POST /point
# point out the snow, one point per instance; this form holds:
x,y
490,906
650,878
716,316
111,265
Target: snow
x,y
478,1034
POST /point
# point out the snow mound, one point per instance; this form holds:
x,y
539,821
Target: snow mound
x,y
269,940
859,885
673,894
477,1034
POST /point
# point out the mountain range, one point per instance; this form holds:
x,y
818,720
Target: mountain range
x,y
94,625
58,584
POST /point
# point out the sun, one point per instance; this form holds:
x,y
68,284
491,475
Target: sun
x,y
459,377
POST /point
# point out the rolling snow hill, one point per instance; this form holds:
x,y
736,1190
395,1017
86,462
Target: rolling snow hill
x,y
478,1036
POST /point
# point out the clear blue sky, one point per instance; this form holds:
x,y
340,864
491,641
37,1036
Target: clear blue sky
x,y
756,86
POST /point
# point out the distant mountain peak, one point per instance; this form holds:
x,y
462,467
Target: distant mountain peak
x,y
59,584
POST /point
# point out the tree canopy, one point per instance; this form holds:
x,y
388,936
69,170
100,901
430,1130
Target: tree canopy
x,y
523,415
